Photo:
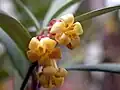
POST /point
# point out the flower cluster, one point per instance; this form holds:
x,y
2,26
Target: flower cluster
x,y
43,49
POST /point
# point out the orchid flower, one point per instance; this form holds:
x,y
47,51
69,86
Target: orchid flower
x,y
66,31
52,77
43,51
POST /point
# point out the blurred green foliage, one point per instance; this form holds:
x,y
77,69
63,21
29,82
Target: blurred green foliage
x,y
38,7
3,74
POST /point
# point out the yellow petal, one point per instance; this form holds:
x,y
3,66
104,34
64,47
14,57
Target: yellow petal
x,y
47,43
49,70
32,56
43,80
62,39
45,85
51,83
45,60
58,81
34,43
61,72
57,27
55,54
68,19
78,28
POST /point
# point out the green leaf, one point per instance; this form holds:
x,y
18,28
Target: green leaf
x,y
53,12
38,7
95,13
64,7
18,59
3,74
15,30
112,68
29,13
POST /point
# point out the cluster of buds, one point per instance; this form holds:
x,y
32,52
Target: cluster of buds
x,y
52,76
43,49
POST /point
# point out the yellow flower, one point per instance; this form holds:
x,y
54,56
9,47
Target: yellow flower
x,y
35,50
50,81
52,77
43,51
67,32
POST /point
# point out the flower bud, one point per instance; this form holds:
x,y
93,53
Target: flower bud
x,y
34,43
61,72
58,81
49,70
43,80
32,56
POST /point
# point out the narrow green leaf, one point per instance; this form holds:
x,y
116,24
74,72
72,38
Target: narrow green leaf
x,y
18,59
95,13
61,7
64,7
15,30
112,68
30,14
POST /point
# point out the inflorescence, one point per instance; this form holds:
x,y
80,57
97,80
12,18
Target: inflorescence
x,y
44,49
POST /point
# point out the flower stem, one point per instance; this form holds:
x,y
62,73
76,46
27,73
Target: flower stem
x,y
95,13
112,68
34,79
30,70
